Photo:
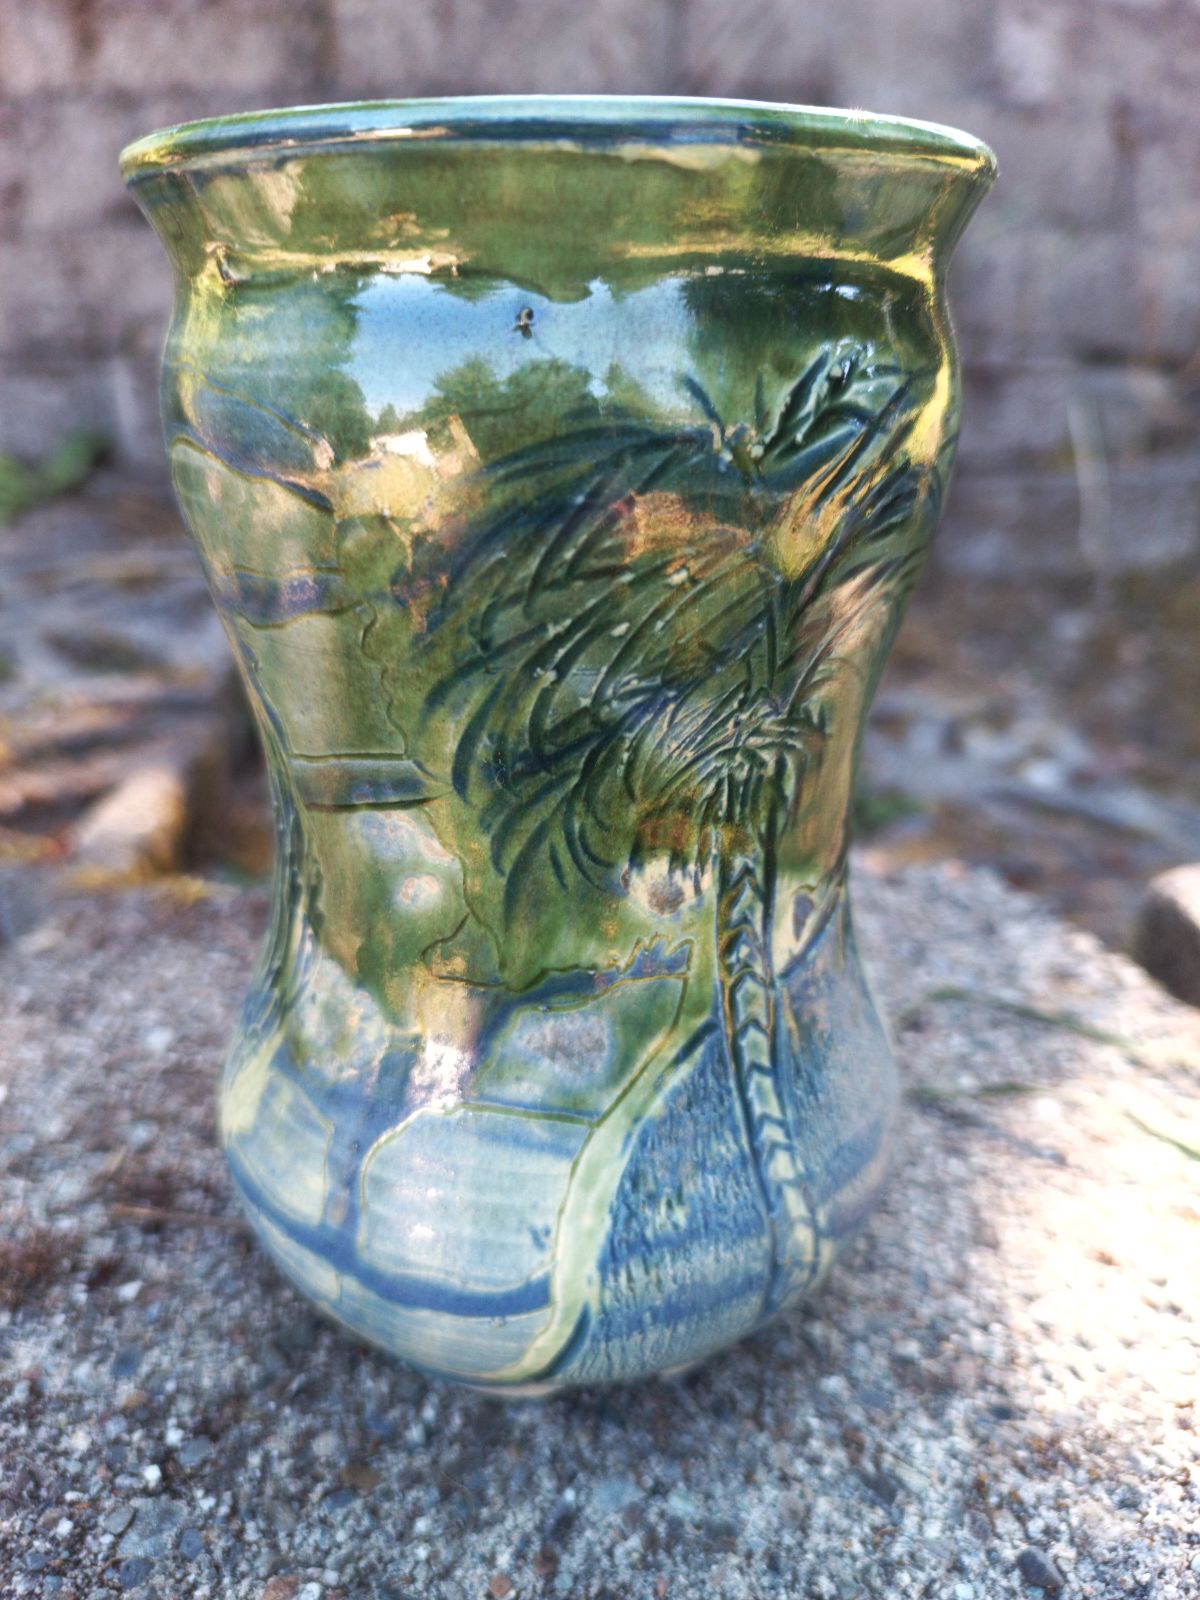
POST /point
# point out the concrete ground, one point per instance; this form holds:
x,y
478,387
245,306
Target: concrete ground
x,y
994,1396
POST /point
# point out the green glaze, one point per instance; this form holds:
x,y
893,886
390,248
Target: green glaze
x,y
560,469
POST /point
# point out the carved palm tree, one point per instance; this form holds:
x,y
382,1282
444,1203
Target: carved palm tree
x,y
645,632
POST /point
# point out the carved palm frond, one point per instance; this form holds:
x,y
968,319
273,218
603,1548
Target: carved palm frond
x,y
637,644
646,635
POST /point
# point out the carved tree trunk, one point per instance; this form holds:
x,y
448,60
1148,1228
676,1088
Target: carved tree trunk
x,y
750,1005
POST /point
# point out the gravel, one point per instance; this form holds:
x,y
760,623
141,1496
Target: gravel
x,y
993,1396
1039,1571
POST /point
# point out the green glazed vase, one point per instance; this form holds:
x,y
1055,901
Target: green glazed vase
x,y
560,468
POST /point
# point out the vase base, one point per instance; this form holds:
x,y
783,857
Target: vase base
x,y
528,1251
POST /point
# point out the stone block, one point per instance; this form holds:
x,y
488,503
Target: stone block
x,y
137,829
1165,193
1016,414
1141,517
909,60
1104,518
136,421
43,402
1142,412
126,287
85,292
1086,291
984,291
250,48
763,49
902,59
39,47
143,825
1031,53
1168,280
40,308
1165,220
1167,936
476,46
1060,164
1040,293
13,176
64,149
1141,65
1044,415
999,524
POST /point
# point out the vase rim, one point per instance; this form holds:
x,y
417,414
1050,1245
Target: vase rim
x,y
543,119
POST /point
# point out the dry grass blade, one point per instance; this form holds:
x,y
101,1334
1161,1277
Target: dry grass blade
x,y
1166,1055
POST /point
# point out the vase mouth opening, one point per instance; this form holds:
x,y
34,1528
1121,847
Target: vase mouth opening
x,y
588,121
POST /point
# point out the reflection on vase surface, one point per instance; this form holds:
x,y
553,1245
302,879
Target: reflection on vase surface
x,y
560,579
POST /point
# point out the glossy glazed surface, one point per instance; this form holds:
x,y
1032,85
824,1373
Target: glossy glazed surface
x,y
560,469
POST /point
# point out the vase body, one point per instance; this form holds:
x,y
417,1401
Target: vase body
x,y
560,470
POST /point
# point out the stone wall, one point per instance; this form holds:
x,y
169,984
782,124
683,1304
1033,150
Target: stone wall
x,y
1077,290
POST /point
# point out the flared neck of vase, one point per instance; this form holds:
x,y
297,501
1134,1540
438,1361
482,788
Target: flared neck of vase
x,y
557,191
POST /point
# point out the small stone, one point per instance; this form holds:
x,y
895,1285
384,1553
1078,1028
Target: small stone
x,y
500,1585
281,1587
793,1510
875,1398
117,1520
310,1591
612,1495
126,1362
195,1451
882,1485
63,1527
358,1475
300,1334
152,1475
191,1543
545,1563
682,1504
378,1425
1166,937
721,1533
129,1292
282,1517
978,1526
1039,1571
137,828
134,1571
153,1529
